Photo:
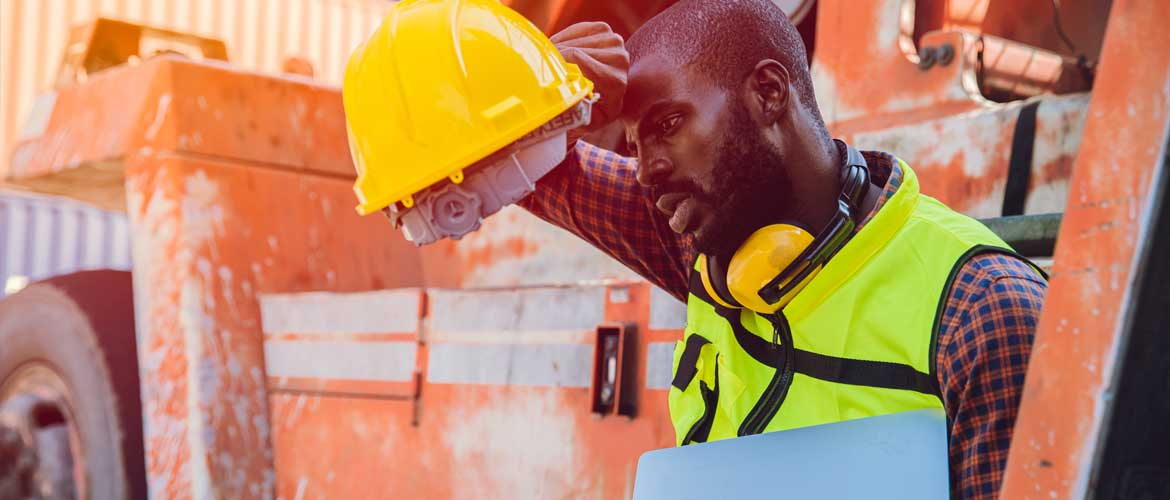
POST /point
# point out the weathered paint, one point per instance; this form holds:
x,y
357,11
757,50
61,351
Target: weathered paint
x,y
227,199
963,159
202,361
515,424
877,47
1073,369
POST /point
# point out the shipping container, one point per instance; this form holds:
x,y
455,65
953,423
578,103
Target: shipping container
x,y
43,236
259,34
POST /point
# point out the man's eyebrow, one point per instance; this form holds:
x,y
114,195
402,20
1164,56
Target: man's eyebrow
x,y
652,110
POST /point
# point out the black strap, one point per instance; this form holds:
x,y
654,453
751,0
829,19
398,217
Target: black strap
x,y
1020,161
861,372
688,363
833,369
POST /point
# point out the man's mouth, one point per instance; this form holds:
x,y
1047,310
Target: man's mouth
x,y
680,207
669,202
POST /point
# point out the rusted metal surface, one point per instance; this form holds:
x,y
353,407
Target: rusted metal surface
x,y
1073,366
963,159
203,249
254,208
936,119
503,410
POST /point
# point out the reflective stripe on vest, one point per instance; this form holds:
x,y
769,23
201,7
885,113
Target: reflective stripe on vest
x,y
862,332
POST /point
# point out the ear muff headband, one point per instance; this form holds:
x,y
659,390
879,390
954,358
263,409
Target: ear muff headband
x,y
778,291
854,187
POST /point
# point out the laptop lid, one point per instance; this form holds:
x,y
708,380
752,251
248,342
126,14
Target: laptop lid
x,y
901,456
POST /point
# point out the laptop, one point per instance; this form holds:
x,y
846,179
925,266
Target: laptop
x,y
901,456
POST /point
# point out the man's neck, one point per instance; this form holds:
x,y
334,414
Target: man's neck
x,y
816,194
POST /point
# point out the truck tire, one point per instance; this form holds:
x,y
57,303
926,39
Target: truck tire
x,y
69,389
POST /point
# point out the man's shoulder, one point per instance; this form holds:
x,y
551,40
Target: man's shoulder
x,y
992,281
994,266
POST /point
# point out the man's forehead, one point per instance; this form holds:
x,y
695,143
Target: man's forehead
x,y
652,79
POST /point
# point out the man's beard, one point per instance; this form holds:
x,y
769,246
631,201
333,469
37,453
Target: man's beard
x,y
749,188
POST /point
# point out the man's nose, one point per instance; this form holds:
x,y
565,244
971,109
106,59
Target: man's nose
x,y
654,170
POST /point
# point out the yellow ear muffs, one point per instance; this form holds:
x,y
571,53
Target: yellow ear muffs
x,y
759,260
764,255
709,284
777,261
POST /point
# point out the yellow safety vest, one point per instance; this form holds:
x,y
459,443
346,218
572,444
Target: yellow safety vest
x,y
858,341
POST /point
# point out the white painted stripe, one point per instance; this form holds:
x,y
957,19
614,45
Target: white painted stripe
x,y
381,311
659,365
380,361
546,308
558,365
666,312
515,337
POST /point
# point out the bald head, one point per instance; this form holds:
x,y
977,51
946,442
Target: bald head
x,y
724,39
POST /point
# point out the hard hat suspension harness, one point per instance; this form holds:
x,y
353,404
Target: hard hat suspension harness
x,y
452,209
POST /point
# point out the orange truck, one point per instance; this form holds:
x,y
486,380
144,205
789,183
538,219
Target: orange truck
x,y
268,342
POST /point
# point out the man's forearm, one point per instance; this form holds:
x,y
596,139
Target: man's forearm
x,y
595,196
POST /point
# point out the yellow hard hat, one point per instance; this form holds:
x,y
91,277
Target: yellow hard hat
x,y
442,84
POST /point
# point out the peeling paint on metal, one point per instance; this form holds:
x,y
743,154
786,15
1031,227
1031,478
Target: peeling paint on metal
x,y
540,457
160,116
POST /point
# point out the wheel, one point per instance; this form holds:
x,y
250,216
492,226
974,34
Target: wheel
x,y
70,413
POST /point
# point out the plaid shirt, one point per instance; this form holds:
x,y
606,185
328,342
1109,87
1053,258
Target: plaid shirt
x,y
987,327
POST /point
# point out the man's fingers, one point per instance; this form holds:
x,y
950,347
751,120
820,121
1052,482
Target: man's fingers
x,y
579,30
617,58
596,40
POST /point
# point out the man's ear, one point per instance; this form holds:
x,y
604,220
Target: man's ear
x,y
769,90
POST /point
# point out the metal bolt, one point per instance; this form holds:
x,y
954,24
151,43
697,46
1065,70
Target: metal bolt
x,y
946,54
927,57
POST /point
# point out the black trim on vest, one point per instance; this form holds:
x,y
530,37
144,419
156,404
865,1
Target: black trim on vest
x,y
688,363
1015,192
701,430
847,371
946,292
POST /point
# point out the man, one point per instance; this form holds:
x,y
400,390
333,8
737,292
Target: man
x,y
920,307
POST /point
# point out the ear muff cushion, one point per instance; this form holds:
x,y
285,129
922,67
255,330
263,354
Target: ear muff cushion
x,y
709,280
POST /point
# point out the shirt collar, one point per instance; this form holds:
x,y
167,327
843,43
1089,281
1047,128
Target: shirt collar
x,y
885,173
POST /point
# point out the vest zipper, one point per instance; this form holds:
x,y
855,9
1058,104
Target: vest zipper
x,y
765,409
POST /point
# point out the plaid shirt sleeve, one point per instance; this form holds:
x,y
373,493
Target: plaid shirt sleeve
x,y
983,348
594,195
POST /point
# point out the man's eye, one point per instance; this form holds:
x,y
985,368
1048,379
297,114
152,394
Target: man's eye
x,y
668,124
